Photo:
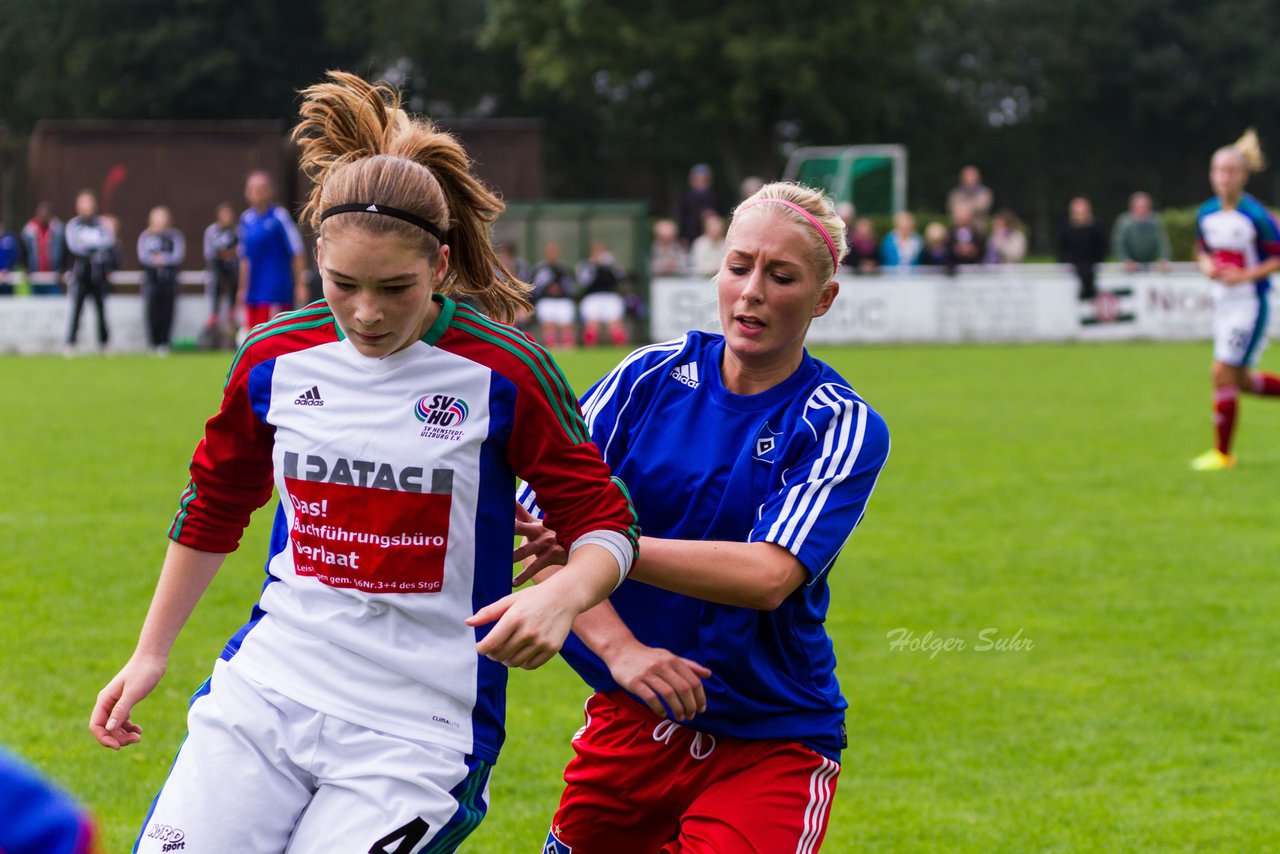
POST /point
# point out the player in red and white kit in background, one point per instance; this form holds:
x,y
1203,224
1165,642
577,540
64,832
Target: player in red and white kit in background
x,y
717,724
362,705
599,282
1238,247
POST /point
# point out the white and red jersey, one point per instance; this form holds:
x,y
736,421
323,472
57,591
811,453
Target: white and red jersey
x,y
396,518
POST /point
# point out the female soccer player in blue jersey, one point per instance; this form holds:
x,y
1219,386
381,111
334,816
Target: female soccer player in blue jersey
x,y
362,706
718,724
1238,246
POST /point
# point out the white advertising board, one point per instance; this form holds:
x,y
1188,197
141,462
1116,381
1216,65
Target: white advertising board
x,y
1030,302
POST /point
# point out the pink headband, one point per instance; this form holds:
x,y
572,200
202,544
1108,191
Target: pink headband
x,y
813,220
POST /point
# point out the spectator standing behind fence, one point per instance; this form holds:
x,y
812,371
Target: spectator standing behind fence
x,y
967,244
666,256
273,269
1138,238
91,243
1083,244
937,248
44,248
161,248
599,284
696,202
971,193
10,254
707,252
553,298
863,257
900,250
1007,243
222,271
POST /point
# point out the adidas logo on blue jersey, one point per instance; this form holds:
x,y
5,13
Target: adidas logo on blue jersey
x,y
687,374
310,397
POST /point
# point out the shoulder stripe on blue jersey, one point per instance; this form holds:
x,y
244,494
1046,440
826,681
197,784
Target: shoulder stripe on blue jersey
x,y
841,444
291,235
860,432
609,386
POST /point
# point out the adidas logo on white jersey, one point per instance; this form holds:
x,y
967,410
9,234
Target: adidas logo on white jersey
x,y
687,374
310,397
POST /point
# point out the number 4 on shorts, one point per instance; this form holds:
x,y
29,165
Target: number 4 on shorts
x,y
408,836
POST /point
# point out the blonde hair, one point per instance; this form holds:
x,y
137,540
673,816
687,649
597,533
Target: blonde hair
x,y
1249,150
358,145
821,207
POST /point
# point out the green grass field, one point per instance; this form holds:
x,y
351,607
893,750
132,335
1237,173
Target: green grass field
x,y
1033,492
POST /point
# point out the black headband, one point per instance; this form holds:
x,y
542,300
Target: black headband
x,y
361,207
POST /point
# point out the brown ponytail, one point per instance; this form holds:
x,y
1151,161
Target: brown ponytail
x,y
359,146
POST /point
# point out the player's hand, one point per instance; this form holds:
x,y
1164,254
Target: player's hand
x,y
1233,275
540,544
530,627
110,722
662,679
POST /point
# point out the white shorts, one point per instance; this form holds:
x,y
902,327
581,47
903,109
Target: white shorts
x,y
557,310
1239,325
261,774
602,308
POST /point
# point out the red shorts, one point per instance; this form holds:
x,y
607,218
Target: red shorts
x,y
641,784
260,313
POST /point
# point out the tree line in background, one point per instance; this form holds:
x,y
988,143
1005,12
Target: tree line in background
x,y
1051,98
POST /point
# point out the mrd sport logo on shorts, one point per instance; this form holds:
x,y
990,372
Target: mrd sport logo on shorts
x,y
172,838
441,416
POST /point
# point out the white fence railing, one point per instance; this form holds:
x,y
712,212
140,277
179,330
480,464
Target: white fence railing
x,y
1025,302
1028,302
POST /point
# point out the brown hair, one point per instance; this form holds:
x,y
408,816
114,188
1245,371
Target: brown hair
x,y
818,204
359,146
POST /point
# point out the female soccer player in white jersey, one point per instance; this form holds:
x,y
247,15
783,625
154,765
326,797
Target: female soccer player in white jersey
x,y
718,724
1238,246
362,706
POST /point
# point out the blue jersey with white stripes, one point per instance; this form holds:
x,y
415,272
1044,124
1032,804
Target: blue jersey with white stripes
x,y
269,241
794,465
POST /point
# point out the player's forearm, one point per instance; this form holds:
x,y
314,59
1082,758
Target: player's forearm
x,y
750,575
587,578
1266,268
1205,262
242,285
185,576
603,631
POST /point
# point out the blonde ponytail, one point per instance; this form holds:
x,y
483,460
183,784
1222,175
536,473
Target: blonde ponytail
x,y
1250,150
358,146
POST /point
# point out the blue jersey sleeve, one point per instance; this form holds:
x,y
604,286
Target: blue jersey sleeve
x,y
1265,231
832,460
37,818
293,240
612,401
